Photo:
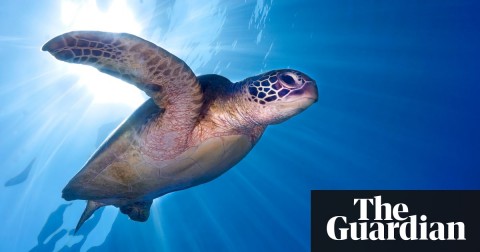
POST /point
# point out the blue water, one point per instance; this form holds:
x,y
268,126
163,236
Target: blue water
x,y
398,109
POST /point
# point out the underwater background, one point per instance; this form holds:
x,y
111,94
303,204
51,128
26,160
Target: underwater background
x,y
398,108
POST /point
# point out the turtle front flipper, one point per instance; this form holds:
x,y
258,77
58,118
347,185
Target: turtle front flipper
x,y
163,76
138,211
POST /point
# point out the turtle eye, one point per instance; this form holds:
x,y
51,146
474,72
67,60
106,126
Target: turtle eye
x,y
288,79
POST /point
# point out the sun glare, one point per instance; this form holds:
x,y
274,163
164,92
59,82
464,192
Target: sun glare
x,y
117,17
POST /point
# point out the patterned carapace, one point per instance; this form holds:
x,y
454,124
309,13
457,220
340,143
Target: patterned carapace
x,y
275,85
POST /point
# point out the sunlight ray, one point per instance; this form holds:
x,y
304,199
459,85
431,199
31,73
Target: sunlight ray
x,y
118,17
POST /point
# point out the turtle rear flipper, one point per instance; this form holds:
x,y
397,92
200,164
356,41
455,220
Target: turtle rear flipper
x,y
138,211
92,206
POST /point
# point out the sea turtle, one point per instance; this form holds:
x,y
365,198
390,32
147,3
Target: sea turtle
x,y
190,131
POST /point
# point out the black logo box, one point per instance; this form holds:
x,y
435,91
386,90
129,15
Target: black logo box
x,y
438,205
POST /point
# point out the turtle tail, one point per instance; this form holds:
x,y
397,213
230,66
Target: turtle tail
x,y
92,206
138,211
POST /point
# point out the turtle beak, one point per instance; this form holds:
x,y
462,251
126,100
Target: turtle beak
x,y
310,90
307,92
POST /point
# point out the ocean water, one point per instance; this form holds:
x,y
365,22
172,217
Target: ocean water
x,y
398,109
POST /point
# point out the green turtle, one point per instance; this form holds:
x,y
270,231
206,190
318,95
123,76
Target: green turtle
x,y
190,131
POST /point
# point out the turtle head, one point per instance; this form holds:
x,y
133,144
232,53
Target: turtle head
x,y
275,96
